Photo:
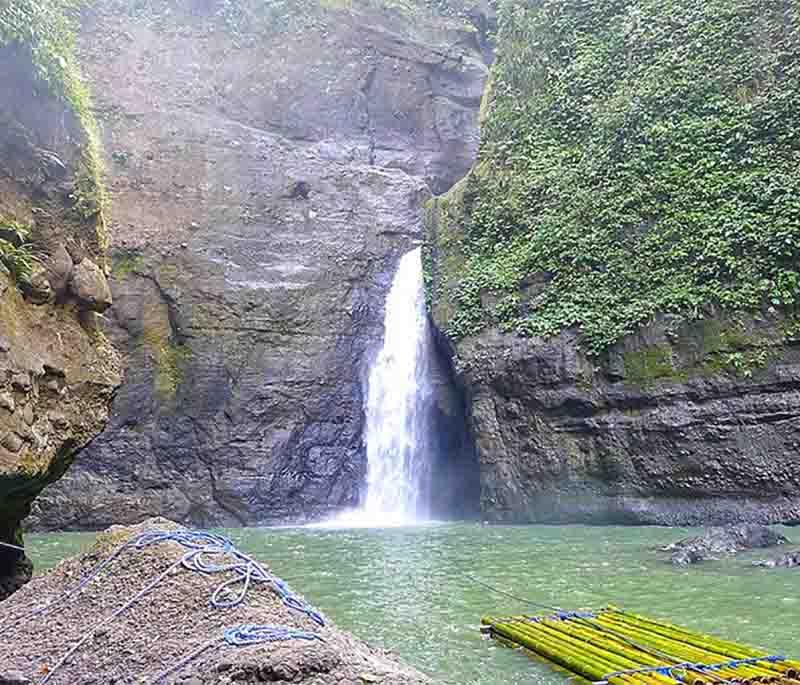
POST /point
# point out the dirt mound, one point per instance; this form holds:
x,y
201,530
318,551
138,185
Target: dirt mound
x,y
175,631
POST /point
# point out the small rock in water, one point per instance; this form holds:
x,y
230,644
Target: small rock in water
x,y
722,541
790,560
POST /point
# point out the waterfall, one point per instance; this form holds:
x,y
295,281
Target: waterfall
x,y
398,406
398,398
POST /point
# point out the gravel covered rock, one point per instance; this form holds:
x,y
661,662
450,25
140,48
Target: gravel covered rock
x,y
168,625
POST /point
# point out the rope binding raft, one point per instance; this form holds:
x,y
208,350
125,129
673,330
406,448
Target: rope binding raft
x,y
205,553
615,647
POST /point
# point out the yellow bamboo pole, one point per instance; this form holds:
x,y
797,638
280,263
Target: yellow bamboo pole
x,y
603,640
683,650
616,641
622,662
593,670
737,651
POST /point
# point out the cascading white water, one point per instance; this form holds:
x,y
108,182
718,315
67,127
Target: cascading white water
x,y
398,403
398,395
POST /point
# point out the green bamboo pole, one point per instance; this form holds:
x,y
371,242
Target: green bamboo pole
x,y
622,662
592,670
683,650
613,644
610,663
737,651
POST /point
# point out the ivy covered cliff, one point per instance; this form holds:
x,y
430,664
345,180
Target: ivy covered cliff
x,y
617,278
57,371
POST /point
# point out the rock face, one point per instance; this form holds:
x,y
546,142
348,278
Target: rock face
x,y
268,173
665,430
721,542
57,372
134,647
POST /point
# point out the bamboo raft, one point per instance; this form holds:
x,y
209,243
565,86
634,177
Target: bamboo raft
x,y
615,647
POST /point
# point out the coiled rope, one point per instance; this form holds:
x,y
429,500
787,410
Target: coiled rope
x,y
240,636
201,548
200,545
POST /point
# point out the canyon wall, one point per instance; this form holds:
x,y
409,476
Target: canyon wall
x,y
268,168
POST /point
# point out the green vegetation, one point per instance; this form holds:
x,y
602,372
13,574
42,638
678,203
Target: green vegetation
x,y
637,156
649,364
127,263
15,250
706,348
791,328
47,31
169,359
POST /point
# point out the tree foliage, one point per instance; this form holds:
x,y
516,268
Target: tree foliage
x,y
638,156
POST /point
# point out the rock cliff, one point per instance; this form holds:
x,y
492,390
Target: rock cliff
x,y
616,280
269,168
57,371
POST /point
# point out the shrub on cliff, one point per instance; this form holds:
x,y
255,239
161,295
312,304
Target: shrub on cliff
x,y
46,29
637,156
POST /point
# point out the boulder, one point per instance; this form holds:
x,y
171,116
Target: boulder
x,y
59,269
723,541
90,286
174,629
37,288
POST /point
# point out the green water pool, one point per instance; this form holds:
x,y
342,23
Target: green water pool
x,y
405,589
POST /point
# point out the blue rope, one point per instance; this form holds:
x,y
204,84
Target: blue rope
x,y
199,545
691,666
241,636
561,616
247,570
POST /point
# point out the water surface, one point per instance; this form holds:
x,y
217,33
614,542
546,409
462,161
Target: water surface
x,y
405,588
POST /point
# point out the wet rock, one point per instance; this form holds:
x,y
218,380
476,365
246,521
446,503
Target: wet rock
x,y
90,286
790,560
723,541
39,336
563,437
13,678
